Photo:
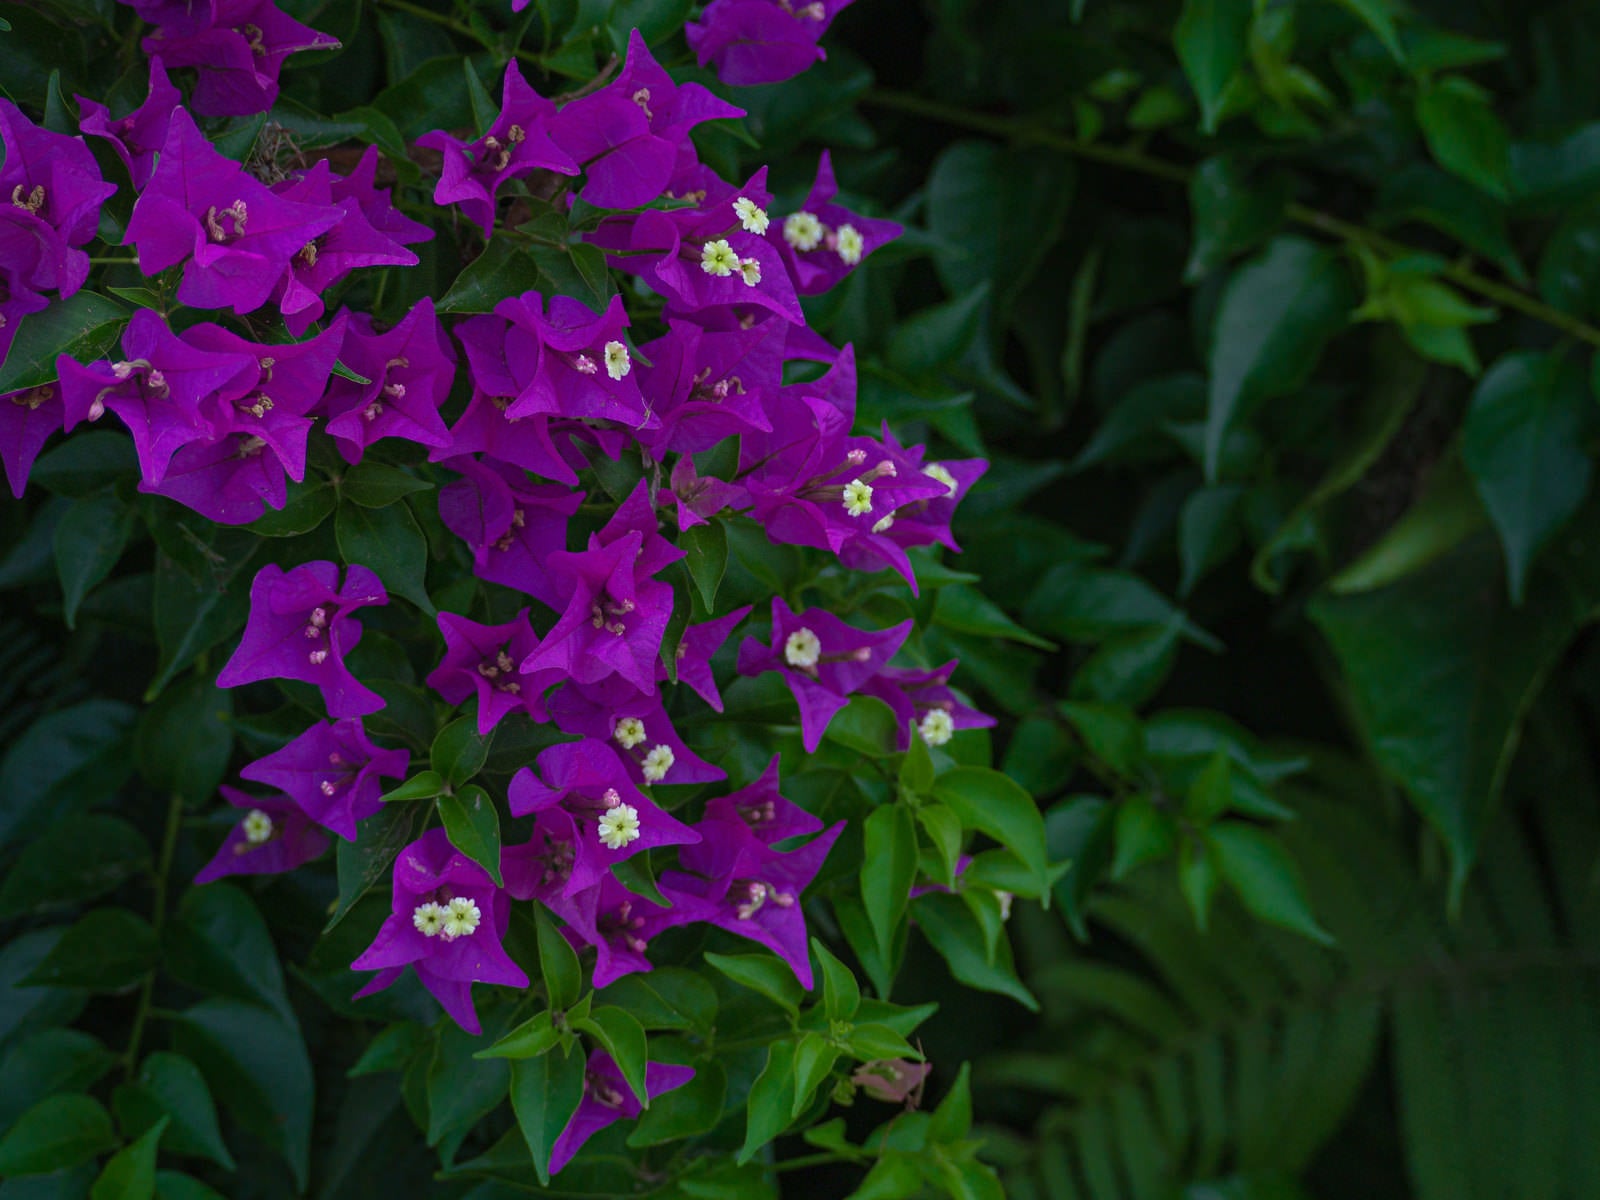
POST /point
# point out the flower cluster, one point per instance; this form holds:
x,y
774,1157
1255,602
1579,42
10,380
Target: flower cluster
x,y
221,423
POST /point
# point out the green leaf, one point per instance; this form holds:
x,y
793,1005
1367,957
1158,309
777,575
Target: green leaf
x,y
365,861
665,998
943,828
696,1107
1211,793
131,1173
473,826
916,769
967,610
505,268
89,539
1144,834
1522,445
389,542
994,804
170,1086
895,1175
1464,134
256,1062
424,785
532,1038
373,484
78,859
1264,877
185,740
953,931
461,1089
108,950
309,505
814,1056
1211,39
175,1185
620,1033
57,1132
545,1092
83,327
761,973
55,757
484,109
1377,16
841,994
458,752
53,1061
771,1100
952,1120
1232,212
888,869
866,725
1446,514
1276,314
871,1042
706,556
1197,879
219,942
558,963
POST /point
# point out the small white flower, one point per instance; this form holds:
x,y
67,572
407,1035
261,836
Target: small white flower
x,y
850,244
618,364
936,727
884,525
802,649
751,215
750,271
1005,899
803,231
257,827
462,917
858,497
938,471
629,732
429,918
718,258
657,763
618,826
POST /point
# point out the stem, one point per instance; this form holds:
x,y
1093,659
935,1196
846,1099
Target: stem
x,y
120,261
1145,164
459,27
158,919
808,1160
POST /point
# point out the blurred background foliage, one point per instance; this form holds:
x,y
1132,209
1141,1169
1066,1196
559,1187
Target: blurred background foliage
x,y
1278,321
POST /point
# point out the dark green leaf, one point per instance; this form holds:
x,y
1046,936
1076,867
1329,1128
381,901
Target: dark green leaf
x,y
1232,212
695,1108
1275,315
185,740
814,1057
841,994
545,1092
473,827
372,484
366,861
1210,39
1264,877
888,869
1145,834
170,1086
620,1033
458,751
866,725
389,542
706,556
666,998
1521,444
131,1173
1464,134
57,1132
89,540
55,755
56,1060
504,269
82,327
953,931
79,859
761,973
219,943
993,804
771,1100
256,1062
108,950
532,1038
558,964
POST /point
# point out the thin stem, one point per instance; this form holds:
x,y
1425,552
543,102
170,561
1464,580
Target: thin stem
x,y
460,27
1145,164
158,919
121,261
808,1160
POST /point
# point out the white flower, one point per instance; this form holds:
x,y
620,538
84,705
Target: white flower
x,y
936,727
629,732
751,215
618,826
802,648
429,918
858,497
657,763
802,231
257,827
750,271
718,258
849,244
938,471
462,917
618,364
884,525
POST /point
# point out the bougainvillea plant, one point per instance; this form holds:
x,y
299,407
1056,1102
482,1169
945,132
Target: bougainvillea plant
x,y
534,620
